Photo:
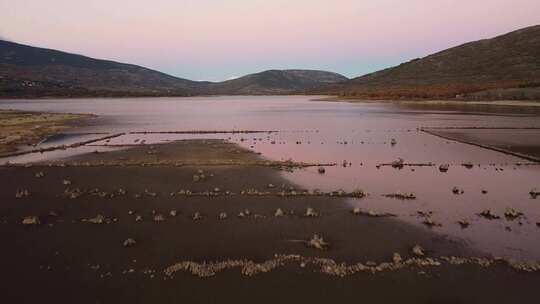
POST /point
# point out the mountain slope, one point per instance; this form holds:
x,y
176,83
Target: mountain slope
x,y
508,61
275,82
27,71
32,71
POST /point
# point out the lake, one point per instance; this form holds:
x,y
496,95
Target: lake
x,y
361,135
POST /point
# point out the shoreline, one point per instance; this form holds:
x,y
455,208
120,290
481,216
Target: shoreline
x,y
317,97
18,128
522,103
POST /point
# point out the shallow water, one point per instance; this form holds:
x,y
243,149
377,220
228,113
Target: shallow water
x,y
361,134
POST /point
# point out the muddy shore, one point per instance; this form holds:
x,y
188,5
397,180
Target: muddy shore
x,y
438,102
29,128
86,214
520,142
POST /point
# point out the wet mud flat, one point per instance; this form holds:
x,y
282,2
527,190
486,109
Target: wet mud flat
x,y
208,221
520,142
29,128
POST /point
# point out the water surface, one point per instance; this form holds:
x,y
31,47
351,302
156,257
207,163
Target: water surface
x,y
359,134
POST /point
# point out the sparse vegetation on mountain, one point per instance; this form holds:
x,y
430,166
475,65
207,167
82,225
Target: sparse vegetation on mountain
x,y
504,67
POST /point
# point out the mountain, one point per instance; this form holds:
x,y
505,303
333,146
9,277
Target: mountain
x,y
31,71
506,66
275,82
27,71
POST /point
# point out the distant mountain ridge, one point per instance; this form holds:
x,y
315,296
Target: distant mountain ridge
x,y
504,67
27,71
275,82
484,69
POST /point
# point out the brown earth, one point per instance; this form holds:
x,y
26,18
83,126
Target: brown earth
x,y
29,128
68,260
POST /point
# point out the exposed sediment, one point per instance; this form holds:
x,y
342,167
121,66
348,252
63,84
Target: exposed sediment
x,y
434,132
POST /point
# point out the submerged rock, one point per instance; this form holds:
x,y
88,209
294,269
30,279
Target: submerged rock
x,y
534,193
321,170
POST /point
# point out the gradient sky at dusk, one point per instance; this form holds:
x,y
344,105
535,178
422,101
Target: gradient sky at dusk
x,y
217,40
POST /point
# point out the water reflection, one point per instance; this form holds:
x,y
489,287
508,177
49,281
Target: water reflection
x,y
361,134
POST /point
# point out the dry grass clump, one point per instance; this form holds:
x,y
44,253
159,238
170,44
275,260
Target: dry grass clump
x,y
331,267
401,195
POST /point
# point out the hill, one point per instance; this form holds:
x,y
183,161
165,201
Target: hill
x,y
31,71
27,71
506,66
275,82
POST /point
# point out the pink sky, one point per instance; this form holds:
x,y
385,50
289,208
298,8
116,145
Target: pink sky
x,y
215,40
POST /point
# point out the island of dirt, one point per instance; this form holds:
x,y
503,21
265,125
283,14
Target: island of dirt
x,y
29,128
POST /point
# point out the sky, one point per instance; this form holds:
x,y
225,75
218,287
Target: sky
x,y
218,39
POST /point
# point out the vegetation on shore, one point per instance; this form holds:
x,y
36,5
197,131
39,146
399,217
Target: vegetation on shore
x,y
29,128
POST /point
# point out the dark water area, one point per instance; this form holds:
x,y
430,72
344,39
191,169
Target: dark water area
x,y
362,135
